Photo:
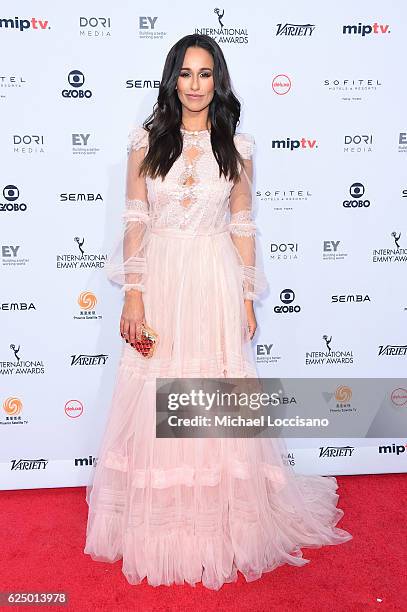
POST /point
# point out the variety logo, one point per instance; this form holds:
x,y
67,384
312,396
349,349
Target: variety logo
x,y
24,24
357,191
73,408
366,29
359,143
76,80
88,360
87,301
327,452
11,194
96,27
328,357
281,84
82,260
147,28
397,350
287,296
224,33
9,255
395,255
399,396
291,144
21,366
29,464
28,144
80,197
295,29
283,250
351,297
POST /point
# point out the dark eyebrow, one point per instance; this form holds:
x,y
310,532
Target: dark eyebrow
x,y
186,68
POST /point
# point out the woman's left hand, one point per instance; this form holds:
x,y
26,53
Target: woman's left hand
x,y
251,318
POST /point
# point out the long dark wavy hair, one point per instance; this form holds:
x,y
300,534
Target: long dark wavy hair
x,y
164,123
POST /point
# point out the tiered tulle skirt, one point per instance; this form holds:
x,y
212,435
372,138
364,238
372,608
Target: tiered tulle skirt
x,y
190,510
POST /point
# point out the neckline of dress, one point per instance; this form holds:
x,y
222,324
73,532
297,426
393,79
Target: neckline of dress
x,y
195,132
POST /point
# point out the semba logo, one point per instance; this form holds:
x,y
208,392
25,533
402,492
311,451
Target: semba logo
x,y
76,79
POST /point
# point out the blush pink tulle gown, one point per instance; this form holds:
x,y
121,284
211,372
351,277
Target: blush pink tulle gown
x,y
191,510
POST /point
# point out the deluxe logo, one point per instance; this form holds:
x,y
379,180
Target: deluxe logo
x,y
336,451
287,296
291,144
283,250
363,30
397,350
351,297
88,360
76,79
399,396
357,191
281,84
11,194
397,449
73,408
295,29
80,197
24,24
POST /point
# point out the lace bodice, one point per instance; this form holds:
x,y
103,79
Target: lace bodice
x,y
192,199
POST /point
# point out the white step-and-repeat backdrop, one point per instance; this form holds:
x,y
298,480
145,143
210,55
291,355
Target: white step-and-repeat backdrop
x,y
323,93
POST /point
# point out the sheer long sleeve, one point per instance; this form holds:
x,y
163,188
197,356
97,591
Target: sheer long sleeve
x,y
127,264
242,227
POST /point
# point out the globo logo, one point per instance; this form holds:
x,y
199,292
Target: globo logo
x,y
76,80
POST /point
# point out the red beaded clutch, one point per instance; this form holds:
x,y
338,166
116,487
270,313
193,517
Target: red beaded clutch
x,y
148,342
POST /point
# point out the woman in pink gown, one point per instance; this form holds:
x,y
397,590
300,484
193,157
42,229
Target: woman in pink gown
x,y
187,510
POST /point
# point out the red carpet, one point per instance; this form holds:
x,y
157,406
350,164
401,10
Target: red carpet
x,y
43,535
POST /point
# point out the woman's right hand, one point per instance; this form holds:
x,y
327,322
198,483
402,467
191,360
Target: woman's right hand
x,y
132,316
